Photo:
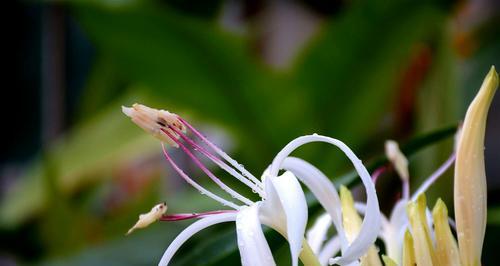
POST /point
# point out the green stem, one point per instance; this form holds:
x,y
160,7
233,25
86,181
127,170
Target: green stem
x,y
307,256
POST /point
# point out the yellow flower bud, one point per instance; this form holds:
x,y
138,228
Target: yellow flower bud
x,y
352,225
408,251
422,242
470,178
446,246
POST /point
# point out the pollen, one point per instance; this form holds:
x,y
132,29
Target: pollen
x,y
156,122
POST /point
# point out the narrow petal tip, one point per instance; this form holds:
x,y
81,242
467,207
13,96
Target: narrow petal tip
x,y
440,209
127,111
493,72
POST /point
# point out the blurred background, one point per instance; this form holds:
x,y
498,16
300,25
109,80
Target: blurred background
x,y
252,75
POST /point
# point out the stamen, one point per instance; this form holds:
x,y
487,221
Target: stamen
x,y
432,178
153,120
196,185
400,163
187,216
224,187
406,189
219,162
226,157
378,172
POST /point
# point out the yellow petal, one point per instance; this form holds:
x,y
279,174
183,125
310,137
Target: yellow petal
x,y
470,178
352,224
422,242
388,261
408,250
446,246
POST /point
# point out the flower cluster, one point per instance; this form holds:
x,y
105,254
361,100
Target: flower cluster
x,y
412,235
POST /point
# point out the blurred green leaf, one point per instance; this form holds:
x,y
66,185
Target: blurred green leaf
x,y
104,141
104,85
437,105
353,69
190,63
494,216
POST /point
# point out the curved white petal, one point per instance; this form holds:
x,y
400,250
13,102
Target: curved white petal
x,y
361,208
318,232
322,188
371,222
254,250
394,233
191,230
284,192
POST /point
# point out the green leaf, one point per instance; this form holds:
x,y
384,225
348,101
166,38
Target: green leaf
x,y
104,141
186,62
494,216
352,70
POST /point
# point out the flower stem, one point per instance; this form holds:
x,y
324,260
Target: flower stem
x,y
307,256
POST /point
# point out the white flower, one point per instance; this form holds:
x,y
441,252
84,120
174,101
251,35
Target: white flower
x,y
393,227
414,236
282,205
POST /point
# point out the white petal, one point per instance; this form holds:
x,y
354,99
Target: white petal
x,y
330,249
318,232
271,211
371,223
361,208
254,250
287,191
322,188
394,233
191,230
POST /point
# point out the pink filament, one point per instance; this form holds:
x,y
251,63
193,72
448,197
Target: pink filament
x,y
196,185
218,161
378,172
207,172
221,153
195,145
187,216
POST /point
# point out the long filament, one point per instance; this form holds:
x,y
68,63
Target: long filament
x,y
224,187
219,162
226,157
196,185
378,172
187,216
406,189
432,178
